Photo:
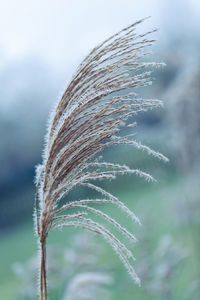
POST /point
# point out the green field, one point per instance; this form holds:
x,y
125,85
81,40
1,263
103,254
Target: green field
x,y
159,208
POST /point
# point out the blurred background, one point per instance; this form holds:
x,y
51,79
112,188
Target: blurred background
x,y
41,45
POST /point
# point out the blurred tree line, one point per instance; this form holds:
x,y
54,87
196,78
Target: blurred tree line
x,y
30,87
27,90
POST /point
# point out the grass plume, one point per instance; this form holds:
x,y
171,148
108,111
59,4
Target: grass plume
x,y
93,109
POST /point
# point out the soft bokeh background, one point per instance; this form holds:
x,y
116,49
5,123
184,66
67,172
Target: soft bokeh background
x,y
41,44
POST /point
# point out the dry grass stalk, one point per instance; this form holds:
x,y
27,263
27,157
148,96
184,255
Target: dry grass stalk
x,y
87,120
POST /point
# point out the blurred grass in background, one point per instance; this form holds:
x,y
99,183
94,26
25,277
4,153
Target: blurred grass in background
x,y
166,269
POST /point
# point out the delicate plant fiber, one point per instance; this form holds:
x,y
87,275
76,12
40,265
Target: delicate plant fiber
x,y
88,118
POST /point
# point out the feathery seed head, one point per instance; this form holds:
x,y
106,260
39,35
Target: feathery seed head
x,y
95,106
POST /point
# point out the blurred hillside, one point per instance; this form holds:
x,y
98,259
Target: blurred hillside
x,y
30,88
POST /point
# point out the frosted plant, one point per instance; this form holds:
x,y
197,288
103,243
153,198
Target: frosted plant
x,y
96,105
160,270
88,286
168,258
26,275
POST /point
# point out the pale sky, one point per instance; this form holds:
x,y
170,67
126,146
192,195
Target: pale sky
x,y
63,31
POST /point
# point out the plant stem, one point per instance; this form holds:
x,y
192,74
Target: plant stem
x,y
43,278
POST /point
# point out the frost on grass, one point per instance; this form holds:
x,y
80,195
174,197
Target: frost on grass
x,y
96,105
